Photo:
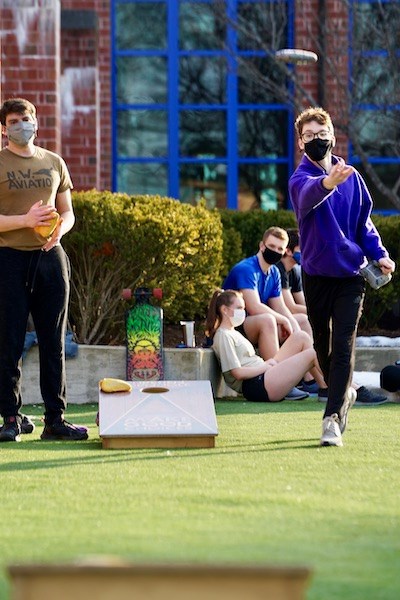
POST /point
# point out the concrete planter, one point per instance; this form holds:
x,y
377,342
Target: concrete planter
x,y
95,362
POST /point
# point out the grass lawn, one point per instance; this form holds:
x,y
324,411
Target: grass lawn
x,y
266,494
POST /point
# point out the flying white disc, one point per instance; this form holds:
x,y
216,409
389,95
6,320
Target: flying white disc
x,y
296,56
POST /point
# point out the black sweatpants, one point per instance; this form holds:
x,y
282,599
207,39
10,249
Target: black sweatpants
x,y
334,307
35,282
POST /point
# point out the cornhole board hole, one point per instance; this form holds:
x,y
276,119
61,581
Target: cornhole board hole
x,y
159,414
157,582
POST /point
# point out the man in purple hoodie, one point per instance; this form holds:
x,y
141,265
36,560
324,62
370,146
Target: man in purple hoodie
x,y
333,208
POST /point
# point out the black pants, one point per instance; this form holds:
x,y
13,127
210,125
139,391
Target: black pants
x,y
33,282
334,307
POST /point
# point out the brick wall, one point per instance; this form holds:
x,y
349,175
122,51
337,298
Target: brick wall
x,y
321,26
64,69
85,81
30,61
80,96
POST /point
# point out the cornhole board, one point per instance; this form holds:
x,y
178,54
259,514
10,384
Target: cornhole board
x,y
111,579
159,414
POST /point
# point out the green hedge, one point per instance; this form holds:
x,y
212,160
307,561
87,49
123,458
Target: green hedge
x,y
249,228
379,302
124,242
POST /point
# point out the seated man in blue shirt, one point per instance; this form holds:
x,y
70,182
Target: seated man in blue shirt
x,y
268,322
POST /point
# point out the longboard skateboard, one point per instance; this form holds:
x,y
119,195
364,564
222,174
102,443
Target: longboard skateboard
x,y
144,336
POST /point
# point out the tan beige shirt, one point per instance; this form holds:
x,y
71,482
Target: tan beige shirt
x,y
233,350
24,181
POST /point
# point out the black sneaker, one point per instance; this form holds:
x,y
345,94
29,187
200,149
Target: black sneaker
x,y
367,398
62,430
11,430
27,426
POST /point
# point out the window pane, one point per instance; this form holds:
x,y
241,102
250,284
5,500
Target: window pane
x,y
141,26
376,25
202,133
206,181
258,80
202,80
139,77
262,25
142,178
378,132
262,186
389,174
201,26
373,80
142,133
262,133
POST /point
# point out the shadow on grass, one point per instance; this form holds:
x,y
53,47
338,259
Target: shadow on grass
x,y
144,454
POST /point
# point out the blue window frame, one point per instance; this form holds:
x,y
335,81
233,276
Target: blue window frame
x,y
373,32
188,121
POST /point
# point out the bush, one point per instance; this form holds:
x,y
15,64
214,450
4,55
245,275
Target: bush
x,y
380,302
125,242
251,227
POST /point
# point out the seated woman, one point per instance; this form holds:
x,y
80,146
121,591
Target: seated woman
x,y
248,374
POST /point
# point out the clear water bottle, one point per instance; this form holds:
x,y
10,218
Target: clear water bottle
x,y
373,274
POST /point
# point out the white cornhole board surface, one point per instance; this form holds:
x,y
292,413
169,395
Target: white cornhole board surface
x,y
159,414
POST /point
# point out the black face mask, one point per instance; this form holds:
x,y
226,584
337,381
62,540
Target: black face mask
x,y
271,257
317,149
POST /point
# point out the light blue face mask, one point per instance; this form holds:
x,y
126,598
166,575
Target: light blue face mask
x,y
297,257
21,133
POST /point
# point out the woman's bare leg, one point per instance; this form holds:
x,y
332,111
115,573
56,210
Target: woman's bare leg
x,y
282,377
298,342
262,331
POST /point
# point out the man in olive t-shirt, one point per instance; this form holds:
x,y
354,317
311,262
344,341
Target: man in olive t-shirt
x,y
34,273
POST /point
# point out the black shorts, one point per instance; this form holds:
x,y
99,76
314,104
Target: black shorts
x,y
253,389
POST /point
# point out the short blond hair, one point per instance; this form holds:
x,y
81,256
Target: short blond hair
x,y
277,232
317,114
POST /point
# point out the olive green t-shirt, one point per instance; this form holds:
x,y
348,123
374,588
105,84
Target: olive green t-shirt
x,y
23,182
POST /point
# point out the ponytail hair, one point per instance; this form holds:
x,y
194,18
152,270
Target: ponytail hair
x,y
214,315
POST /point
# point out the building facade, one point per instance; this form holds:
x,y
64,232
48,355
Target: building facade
x,y
184,98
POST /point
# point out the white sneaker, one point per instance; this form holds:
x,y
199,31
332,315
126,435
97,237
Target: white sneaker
x,y
350,398
331,435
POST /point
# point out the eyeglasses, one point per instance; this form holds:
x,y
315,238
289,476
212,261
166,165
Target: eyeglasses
x,y
309,136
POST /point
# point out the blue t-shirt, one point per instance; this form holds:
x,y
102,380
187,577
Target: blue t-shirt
x,y
247,275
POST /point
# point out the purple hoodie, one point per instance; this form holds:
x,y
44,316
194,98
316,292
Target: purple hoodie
x,y
336,231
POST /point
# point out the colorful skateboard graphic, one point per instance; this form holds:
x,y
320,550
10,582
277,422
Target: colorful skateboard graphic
x,y
144,337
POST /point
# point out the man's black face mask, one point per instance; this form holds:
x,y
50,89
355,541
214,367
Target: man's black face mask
x,y
271,257
317,149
